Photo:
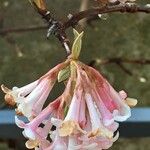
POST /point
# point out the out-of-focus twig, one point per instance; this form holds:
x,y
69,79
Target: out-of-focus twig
x,y
11,42
126,70
83,7
120,62
22,29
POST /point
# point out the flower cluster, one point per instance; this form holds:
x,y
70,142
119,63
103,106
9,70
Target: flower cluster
x,y
85,116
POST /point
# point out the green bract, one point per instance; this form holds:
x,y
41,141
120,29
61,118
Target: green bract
x,y
64,74
76,33
76,47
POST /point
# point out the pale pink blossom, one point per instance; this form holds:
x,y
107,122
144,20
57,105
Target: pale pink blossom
x,y
85,115
31,98
115,106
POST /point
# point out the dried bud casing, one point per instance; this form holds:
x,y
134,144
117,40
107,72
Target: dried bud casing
x,y
39,3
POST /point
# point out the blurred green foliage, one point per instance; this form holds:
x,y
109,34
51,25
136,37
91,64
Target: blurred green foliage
x,y
26,56
4,147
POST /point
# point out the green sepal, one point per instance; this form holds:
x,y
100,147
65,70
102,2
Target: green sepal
x,y
64,74
76,33
76,47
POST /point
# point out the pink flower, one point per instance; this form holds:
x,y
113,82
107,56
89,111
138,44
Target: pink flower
x,y
38,136
94,108
85,115
31,98
111,103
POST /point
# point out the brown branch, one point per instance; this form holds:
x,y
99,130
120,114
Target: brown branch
x,y
124,60
126,70
107,9
55,27
120,61
23,29
59,28
90,13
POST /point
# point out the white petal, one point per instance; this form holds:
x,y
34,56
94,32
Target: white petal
x,y
25,90
56,122
29,133
95,119
19,122
72,143
121,118
91,146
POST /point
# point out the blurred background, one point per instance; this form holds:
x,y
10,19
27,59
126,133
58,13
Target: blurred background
x,y
25,56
